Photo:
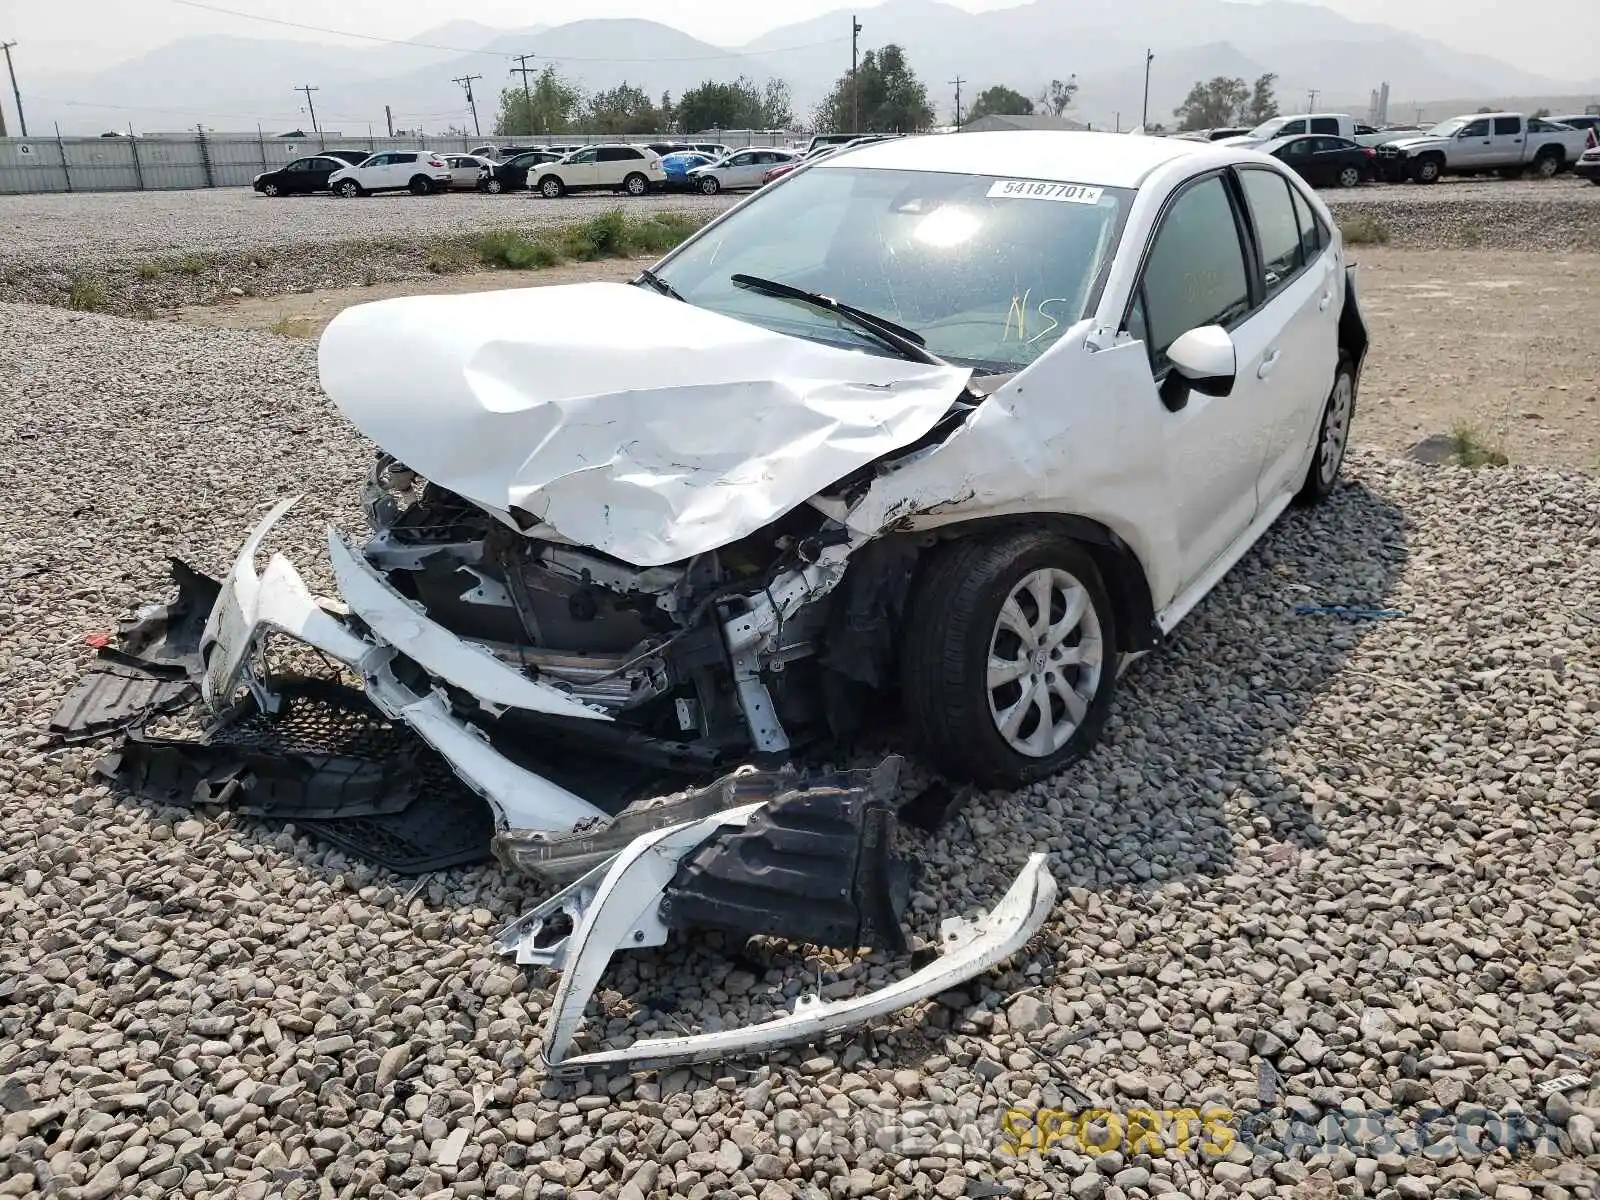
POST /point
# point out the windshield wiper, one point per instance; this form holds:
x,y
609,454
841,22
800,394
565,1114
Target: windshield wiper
x,y
660,284
908,342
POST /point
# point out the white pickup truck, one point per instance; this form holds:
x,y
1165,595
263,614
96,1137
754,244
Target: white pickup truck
x,y
1335,124
1508,144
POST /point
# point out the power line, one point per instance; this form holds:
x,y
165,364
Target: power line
x,y
15,91
369,37
527,96
308,89
466,82
855,85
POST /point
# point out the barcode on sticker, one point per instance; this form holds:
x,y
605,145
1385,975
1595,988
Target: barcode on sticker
x,y
1034,189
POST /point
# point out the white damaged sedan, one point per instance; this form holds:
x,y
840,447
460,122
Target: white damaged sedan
x,y
963,422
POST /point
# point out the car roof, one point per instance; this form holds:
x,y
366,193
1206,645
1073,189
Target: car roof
x,y
1106,159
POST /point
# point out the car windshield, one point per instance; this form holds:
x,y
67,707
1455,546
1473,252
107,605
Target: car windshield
x,y
989,271
1447,128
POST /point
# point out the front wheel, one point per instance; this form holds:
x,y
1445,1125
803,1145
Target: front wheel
x,y
271,189
1427,171
1350,177
350,189
1333,436
636,184
1008,664
551,188
494,187
710,185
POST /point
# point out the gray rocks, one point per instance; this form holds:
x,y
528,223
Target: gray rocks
x,y
1362,850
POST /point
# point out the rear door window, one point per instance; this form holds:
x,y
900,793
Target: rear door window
x,y
1313,235
1277,228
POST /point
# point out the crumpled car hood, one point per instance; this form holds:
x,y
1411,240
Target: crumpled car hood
x,y
627,421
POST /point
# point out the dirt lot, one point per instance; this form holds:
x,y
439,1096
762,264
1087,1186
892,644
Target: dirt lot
x,y
1504,343
1498,342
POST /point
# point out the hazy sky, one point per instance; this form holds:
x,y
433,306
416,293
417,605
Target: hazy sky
x,y
59,35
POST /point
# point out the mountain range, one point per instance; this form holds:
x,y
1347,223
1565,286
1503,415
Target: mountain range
x,y
232,83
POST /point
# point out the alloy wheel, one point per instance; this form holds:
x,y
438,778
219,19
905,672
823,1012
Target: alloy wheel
x,y
1046,654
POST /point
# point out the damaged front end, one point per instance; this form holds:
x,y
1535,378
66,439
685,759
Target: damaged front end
x,y
595,659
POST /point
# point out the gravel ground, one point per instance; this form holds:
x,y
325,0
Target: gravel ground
x,y
1557,214
122,224
135,253
1317,868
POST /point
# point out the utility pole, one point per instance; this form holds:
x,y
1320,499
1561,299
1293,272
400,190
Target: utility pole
x,y
466,82
21,120
527,96
958,81
1119,122
1311,95
388,115
855,83
308,89
1144,116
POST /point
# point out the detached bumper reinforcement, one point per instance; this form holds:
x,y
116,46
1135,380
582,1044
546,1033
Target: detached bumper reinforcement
x,y
618,905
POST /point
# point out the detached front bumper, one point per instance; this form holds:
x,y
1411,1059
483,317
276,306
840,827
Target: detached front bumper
x,y
387,629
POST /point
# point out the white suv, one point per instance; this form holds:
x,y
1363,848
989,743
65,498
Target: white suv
x,y
632,169
418,172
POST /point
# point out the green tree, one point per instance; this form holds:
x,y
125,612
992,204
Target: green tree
x,y
1058,97
555,106
1541,112
623,109
1213,104
892,98
714,105
777,105
1263,104
1000,100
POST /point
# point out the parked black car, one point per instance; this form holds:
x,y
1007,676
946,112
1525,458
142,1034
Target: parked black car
x,y
512,175
353,157
301,175
1324,161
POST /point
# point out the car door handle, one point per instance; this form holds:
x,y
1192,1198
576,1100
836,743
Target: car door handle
x,y
1268,364
1324,300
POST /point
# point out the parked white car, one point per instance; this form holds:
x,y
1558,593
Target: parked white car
x,y
620,168
967,422
466,170
419,172
741,169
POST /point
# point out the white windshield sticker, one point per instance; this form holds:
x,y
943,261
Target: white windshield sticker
x,y
1034,189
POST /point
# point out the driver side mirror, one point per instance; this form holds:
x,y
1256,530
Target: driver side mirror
x,y
1204,360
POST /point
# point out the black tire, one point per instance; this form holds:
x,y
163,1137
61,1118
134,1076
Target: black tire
x,y
1547,165
271,189
420,185
1322,474
636,185
349,189
709,185
1427,170
551,188
1350,177
494,187
952,626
